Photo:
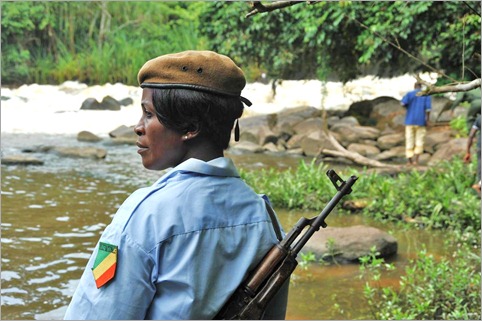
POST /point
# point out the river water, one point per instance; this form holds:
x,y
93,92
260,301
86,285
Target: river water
x,y
53,215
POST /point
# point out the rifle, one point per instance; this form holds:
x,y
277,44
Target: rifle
x,y
251,298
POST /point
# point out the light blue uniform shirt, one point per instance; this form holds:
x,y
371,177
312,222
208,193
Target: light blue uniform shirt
x,y
184,245
417,106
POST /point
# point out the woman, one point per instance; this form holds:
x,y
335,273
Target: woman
x,y
179,248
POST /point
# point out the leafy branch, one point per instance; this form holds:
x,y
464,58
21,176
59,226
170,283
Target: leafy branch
x,y
457,86
258,7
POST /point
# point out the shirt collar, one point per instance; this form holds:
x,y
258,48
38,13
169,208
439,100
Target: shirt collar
x,y
221,166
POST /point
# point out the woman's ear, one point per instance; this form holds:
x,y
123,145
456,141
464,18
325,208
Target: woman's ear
x,y
191,133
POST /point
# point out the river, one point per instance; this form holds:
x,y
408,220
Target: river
x,y
53,215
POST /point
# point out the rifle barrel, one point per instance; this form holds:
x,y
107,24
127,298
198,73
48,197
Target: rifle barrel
x,y
320,219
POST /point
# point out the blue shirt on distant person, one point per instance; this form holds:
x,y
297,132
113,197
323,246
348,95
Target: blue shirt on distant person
x,y
184,245
417,106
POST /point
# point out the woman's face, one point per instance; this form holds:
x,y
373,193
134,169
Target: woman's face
x,y
159,147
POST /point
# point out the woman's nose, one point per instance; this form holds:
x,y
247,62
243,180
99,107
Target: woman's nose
x,y
139,129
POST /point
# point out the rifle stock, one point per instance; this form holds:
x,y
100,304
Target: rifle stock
x,y
251,298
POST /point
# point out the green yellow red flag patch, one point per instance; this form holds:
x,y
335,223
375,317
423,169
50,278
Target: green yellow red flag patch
x,y
105,264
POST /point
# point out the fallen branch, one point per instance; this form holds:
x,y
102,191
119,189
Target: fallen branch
x,y
431,89
355,157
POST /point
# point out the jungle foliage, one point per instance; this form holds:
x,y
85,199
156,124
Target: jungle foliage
x,y
103,41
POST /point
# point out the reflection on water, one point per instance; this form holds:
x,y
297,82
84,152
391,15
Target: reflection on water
x,y
53,215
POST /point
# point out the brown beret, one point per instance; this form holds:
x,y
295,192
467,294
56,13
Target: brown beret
x,y
196,70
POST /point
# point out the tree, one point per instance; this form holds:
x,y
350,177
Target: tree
x,y
346,38
343,40
380,26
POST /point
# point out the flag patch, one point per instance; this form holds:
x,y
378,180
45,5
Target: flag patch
x,y
105,264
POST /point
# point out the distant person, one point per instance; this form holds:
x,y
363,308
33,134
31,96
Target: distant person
x,y
467,157
179,248
416,122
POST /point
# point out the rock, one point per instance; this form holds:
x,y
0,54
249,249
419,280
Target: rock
x,y
395,152
435,139
353,134
126,101
249,135
453,148
246,147
295,141
124,135
122,131
424,158
270,147
124,140
107,103
389,141
308,126
21,160
349,120
266,135
440,104
333,120
290,117
363,149
257,121
314,143
90,104
80,152
86,136
355,205
349,244
388,112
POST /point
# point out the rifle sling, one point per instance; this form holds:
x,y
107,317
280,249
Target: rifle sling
x,y
274,221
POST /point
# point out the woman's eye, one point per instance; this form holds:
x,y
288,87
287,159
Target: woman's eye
x,y
147,113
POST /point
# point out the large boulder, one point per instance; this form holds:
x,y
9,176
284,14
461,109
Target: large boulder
x,y
370,112
349,244
387,113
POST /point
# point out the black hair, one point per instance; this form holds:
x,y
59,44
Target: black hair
x,y
184,110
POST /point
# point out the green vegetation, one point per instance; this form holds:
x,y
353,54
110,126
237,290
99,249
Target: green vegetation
x,y
441,198
108,41
459,124
445,289
94,42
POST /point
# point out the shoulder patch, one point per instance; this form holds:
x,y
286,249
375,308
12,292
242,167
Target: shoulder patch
x,y
105,264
